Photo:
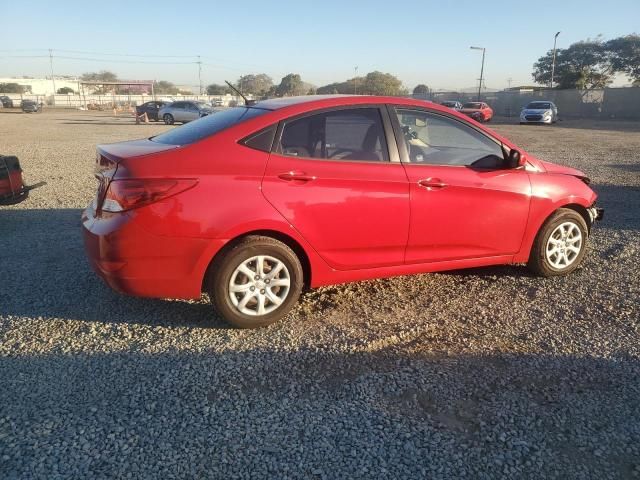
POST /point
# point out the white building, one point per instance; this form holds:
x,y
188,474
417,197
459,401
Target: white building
x,y
43,86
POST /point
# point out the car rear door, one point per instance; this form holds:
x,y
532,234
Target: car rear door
x,y
334,177
464,202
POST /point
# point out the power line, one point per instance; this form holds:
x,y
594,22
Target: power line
x,y
125,54
136,55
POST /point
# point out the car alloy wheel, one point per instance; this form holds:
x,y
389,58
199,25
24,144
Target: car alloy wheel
x,y
564,245
259,285
560,244
255,282
168,119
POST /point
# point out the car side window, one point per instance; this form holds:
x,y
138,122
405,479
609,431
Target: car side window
x,y
351,134
432,139
178,105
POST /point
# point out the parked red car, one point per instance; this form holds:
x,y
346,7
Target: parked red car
x,y
252,203
479,111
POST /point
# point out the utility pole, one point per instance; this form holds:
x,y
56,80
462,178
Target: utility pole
x,y
481,69
355,81
509,80
553,64
200,74
53,80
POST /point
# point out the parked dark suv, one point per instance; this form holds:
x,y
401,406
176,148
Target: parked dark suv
x,y
6,101
151,109
29,106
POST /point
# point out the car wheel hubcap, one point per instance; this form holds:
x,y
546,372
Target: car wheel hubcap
x,y
259,285
564,245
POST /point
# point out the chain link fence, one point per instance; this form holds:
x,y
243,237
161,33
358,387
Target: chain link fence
x,y
607,103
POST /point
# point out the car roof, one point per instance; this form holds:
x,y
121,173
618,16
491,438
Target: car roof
x,y
313,102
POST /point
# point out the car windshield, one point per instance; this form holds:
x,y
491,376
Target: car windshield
x,y
539,105
449,104
202,105
207,126
472,105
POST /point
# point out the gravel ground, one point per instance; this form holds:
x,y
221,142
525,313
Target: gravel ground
x,y
486,373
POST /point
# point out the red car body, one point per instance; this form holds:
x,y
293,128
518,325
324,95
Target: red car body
x,y
480,112
346,221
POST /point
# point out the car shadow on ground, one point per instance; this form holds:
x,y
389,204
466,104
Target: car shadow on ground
x,y
259,410
627,167
47,244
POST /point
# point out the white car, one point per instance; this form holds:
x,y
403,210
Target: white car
x,y
539,112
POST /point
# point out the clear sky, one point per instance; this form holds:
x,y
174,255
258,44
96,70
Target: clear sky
x,y
419,41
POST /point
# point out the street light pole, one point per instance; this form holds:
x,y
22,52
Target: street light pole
x,y
481,69
553,64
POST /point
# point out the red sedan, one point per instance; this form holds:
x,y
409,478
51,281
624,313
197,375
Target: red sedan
x,y
253,203
479,111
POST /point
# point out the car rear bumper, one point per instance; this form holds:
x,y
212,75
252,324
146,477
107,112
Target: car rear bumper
x,y
136,262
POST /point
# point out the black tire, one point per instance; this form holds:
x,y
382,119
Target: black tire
x,y
220,275
168,119
538,261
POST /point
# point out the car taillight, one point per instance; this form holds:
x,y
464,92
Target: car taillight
x,y
126,194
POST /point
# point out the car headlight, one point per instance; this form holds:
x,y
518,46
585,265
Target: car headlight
x,y
547,113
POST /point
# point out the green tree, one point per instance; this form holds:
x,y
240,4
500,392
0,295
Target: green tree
x,y
584,65
216,89
347,87
101,76
378,83
11,88
421,89
291,85
624,54
165,87
258,85
65,90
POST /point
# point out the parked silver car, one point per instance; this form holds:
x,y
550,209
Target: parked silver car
x,y
456,105
539,112
183,111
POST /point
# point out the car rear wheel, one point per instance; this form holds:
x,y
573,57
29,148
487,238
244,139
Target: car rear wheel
x,y
256,282
560,245
168,119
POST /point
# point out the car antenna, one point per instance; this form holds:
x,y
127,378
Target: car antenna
x,y
247,102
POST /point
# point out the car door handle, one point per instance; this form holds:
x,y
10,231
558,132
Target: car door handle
x,y
432,183
296,176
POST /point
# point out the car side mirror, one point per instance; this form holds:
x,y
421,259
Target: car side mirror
x,y
515,159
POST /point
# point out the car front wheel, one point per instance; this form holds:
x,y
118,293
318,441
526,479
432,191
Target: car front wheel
x,y
256,282
168,119
560,245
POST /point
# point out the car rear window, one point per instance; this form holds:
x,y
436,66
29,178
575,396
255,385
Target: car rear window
x,y
207,126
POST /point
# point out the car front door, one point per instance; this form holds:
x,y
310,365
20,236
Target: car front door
x,y
464,202
178,110
333,177
192,112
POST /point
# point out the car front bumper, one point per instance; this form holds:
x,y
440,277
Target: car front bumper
x,y
595,213
545,120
